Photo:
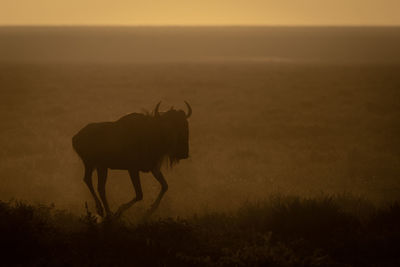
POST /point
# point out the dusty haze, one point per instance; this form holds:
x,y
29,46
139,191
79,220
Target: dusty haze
x,y
289,110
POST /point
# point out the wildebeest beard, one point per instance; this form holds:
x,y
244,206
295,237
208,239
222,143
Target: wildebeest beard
x,y
177,135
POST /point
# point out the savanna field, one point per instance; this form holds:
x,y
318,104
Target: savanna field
x,y
293,162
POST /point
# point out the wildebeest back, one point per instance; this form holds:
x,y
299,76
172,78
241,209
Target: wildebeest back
x,y
132,142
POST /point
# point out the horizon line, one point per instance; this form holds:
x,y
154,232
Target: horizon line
x,y
202,25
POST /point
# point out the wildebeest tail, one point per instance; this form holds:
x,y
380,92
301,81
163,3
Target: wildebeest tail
x,y
75,144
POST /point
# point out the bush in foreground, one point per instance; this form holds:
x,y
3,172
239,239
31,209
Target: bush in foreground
x,y
283,231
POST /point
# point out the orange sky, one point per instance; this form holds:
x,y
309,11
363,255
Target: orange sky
x,y
200,12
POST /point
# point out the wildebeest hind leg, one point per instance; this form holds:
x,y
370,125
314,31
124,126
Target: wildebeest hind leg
x,y
88,181
135,178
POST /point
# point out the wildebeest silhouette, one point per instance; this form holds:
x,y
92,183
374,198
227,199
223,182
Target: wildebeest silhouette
x,y
136,142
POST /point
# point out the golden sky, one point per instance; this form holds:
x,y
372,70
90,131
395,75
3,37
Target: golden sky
x,y
200,12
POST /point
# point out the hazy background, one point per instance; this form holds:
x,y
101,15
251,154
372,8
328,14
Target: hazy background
x,y
293,110
199,44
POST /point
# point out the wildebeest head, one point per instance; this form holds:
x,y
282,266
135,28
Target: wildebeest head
x,y
176,131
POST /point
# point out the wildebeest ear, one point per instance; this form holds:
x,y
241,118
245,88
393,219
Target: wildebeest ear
x,y
156,114
189,110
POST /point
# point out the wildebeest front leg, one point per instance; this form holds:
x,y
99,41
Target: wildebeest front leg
x,y
101,187
88,181
164,187
135,178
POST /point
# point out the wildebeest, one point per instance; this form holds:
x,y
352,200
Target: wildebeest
x,y
136,142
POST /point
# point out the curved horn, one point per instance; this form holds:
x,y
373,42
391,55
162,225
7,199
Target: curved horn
x,y
156,114
189,110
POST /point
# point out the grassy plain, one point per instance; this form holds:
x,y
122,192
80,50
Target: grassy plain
x,y
257,128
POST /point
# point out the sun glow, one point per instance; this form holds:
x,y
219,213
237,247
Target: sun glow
x,y
206,12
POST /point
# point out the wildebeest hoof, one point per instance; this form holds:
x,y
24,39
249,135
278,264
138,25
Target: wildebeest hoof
x,y
98,219
100,211
121,210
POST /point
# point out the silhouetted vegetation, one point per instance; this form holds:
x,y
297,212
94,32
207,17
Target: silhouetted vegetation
x,y
281,231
